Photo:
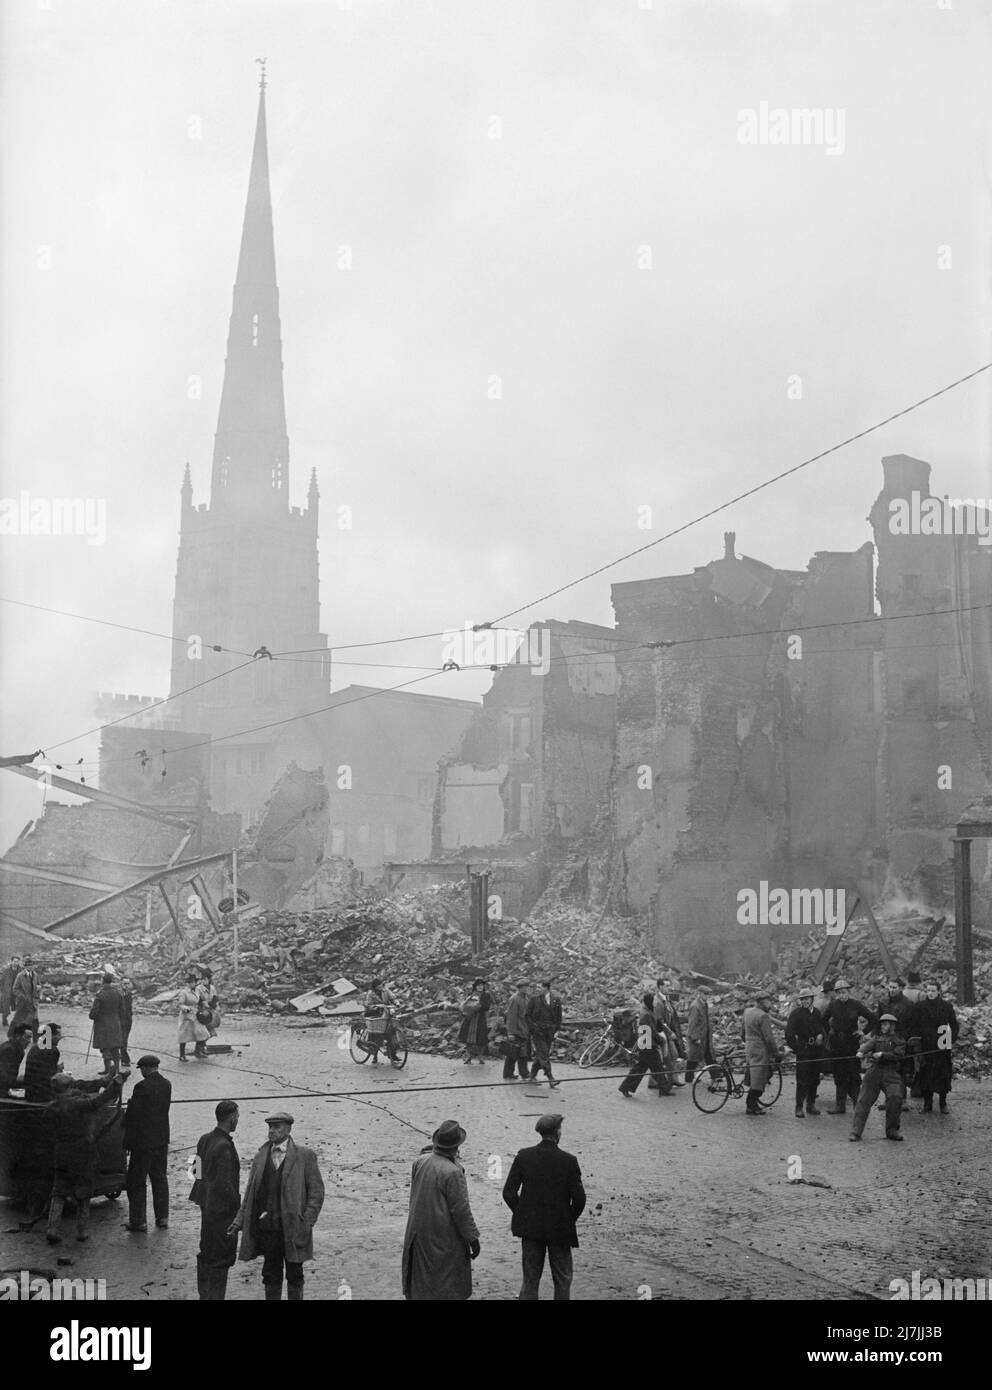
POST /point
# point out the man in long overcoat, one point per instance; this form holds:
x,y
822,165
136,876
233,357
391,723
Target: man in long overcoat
x,y
282,1201
107,1014
8,975
441,1238
698,1036
804,1034
517,1034
760,1049
24,997
544,1191
217,1192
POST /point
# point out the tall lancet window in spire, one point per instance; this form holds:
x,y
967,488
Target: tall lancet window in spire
x,y
254,330
277,474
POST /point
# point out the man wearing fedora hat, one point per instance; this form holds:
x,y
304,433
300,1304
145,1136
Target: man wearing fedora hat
x,y
544,1191
282,1201
544,1017
441,1238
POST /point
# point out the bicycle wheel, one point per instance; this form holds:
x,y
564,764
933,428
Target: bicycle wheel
x,y
358,1052
711,1089
773,1090
595,1052
400,1050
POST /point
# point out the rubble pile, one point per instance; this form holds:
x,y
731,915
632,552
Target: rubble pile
x,y
417,943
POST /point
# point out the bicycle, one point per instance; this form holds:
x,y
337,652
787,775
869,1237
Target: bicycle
x,y
366,1042
608,1048
716,1083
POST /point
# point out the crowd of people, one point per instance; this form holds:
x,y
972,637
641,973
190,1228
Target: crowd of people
x,y
898,1047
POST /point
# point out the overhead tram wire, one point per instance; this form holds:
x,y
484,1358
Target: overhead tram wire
x,y
490,625
569,659
124,627
155,705
601,569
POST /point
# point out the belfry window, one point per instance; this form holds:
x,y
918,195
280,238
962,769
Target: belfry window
x,y
277,474
254,330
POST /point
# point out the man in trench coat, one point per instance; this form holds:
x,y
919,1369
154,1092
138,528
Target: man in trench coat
x,y
107,1014
442,1238
760,1049
282,1201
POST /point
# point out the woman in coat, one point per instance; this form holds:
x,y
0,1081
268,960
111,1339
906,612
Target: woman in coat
x,y
474,1032
441,1238
191,1002
933,1025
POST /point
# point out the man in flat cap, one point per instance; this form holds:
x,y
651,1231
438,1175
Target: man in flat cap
x,y
517,1034
146,1138
544,1017
282,1201
441,1238
217,1192
544,1191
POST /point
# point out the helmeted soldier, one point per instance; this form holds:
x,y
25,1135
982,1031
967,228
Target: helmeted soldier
x,y
884,1052
841,1017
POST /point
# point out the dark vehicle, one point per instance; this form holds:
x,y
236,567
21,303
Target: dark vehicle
x,y
27,1145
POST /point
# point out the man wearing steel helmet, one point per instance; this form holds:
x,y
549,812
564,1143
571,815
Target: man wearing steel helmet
x,y
884,1051
841,1018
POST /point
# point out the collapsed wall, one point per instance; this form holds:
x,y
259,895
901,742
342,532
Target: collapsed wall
x,y
743,756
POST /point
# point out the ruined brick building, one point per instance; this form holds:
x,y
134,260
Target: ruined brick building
x,y
761,747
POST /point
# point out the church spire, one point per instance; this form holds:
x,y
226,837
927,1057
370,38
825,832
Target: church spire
x,y
251,448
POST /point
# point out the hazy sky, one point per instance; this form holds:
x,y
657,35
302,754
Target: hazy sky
x,y
126,141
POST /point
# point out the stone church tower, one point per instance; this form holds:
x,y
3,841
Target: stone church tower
x,y
247,573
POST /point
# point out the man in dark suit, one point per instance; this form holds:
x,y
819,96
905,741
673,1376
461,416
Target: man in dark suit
x,y
146,1137
544,1020
217,1192
545,1193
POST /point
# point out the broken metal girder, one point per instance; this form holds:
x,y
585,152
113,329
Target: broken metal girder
x,y
166,815
165,872
7,866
